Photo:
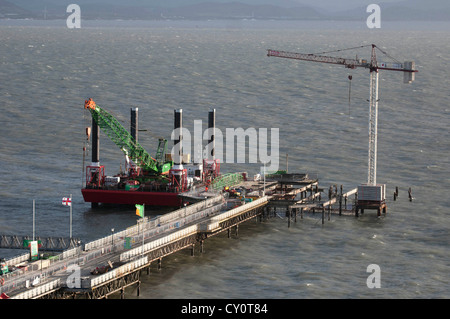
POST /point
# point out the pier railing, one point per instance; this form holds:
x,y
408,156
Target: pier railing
x,y
162,222
117,272
127,255
38,291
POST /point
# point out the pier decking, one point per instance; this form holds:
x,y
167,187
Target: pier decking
x,y
108,265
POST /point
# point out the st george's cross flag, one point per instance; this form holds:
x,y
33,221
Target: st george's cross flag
x,y
67,201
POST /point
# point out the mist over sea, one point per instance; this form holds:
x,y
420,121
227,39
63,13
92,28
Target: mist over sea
x,y
47,71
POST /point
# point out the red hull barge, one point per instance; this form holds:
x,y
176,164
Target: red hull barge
x,y
157,181
131,197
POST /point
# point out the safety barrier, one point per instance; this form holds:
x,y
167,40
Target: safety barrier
x,y
38,291
237,210
17,259
115,273
159,242
156,222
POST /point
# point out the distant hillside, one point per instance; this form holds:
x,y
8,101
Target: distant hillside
x,y
433,10
9,10
408,10
174,9
236,10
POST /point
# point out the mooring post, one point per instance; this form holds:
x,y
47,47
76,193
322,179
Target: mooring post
x,y
301,213
410,194
396,193
323,215
340,203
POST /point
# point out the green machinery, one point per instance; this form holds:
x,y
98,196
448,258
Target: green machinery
x,y
125,141
225,180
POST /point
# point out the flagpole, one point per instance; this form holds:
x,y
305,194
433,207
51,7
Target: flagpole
x,y
70,216
34,223
143,216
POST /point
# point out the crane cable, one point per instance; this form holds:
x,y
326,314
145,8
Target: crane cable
x,y
340,50
350,77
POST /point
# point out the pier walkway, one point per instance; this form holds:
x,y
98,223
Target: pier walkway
x,y
108,265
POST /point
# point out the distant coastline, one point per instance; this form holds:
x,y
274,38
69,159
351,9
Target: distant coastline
x,y
414,11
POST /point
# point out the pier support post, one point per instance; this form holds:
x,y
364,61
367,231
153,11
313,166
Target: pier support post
x,y
159,263
201,246
192,250
138,288
288,215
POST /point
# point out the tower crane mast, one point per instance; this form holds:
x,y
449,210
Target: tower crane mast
x,y
374,66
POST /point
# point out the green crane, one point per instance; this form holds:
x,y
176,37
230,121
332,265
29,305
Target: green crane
x,y
123,139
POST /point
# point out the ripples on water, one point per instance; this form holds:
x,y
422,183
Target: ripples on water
x,y
47,71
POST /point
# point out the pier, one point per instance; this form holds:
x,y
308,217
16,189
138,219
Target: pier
x,y
108,265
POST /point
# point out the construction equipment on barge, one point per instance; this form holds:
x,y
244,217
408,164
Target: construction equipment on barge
x,y
154,181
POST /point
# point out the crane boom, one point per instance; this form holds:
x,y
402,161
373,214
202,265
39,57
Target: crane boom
x,y
349,63
123,139
373,65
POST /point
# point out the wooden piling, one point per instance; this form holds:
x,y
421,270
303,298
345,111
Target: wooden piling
x,y
288,215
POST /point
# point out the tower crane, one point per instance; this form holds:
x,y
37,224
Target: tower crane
x,y
374,66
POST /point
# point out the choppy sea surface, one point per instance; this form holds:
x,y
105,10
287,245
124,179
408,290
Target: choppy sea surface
x,y
48,70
